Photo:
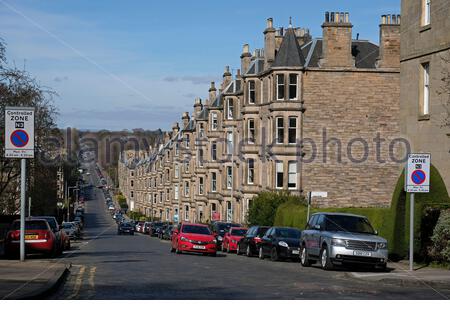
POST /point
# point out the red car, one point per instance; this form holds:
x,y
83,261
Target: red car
x,y
232,237
39,238
192,237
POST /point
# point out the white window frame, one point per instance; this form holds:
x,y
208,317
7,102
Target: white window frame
x,y
186,188
426,88
214,151
277,128
426,12
292,85
229,173
292,128
230,142
201,186
292,175
214,121
251,137
279,168
278,85
213,181
186,212
176,192
229,211
250,90
177,170
230,109
250,171
201,130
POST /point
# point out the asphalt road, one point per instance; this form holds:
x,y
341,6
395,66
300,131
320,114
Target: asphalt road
x,y
109,266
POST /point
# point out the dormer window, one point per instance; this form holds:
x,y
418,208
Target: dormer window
x,y
293,86
251,92
214,122
230,108
280,86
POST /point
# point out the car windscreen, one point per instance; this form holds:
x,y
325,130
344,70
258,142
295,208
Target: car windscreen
x,y
67,225
262,231
158,224
238,232
30,225
195,229
348,224
51,222
126,225
287,233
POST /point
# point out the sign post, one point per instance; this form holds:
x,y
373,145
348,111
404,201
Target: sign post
x,y
417,178
19,144
314,194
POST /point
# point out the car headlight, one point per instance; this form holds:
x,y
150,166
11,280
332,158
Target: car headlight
x,y
381,245
283,244
219,238
338,242
184,239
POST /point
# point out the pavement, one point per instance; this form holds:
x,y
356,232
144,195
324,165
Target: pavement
x,y
32,279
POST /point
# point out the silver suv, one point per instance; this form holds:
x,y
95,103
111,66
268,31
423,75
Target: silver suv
x,y
341,238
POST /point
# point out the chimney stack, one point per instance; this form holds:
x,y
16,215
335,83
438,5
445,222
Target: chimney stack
x,y
337,41
185,119
198,107
389,42
175,128
226,78
212,92
245,58
269,44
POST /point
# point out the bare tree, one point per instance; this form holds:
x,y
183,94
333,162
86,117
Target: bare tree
x,y
444,90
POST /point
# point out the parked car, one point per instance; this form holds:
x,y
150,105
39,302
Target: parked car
x,y
155,228
139,226
219,228
280,243
249,243
75,226
147,227
79,221
70,229
192,237
125,227
232,237
39,238
341,239
63,242
167,234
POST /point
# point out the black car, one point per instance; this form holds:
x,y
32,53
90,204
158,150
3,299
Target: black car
x,y
167,234
125,227
249,243
219,229
280,243
155,228
163,229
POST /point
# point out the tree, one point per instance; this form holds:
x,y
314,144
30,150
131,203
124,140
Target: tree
x,y
444,90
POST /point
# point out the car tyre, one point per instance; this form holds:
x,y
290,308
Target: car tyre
x,y
261,253
304,259
214,254
325,260
248,252
178,251
274,254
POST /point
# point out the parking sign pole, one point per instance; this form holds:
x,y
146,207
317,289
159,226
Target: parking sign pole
x,y
23,175
411,231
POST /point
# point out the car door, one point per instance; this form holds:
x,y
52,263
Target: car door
x,y
266,240
318,226
310,235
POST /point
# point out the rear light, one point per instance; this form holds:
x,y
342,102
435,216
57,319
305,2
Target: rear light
x,y
257,239
14,235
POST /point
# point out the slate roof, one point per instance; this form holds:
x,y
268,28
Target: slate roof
x,y
233,87
203,115
257,66
290,54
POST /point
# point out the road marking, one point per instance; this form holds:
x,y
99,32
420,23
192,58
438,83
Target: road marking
x,y
78,283
92,277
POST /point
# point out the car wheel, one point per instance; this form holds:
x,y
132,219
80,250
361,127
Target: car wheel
x,y
304,257
274,254
325,260
178,251
172,249
261,253
248,252
238,250
214,254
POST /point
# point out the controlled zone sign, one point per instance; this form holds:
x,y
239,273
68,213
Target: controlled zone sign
x,y
19,132
418,173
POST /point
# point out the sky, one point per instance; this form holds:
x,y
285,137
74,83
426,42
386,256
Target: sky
x,y
140,63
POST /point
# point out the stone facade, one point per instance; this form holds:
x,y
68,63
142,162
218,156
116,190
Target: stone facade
x,y
425,106
303,114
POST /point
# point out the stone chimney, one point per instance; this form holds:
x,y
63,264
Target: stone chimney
x,y
198,107
246,57
238,74
226,78
185,118
269,44
337,41
389,42
175,128
212,92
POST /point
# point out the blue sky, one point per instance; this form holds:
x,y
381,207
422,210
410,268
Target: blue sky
x,y
140,64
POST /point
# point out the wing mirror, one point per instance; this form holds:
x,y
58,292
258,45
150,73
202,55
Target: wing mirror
x,y
317,227
376,232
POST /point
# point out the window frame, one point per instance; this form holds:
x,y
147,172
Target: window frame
x,y
230,109
425,105
251,92
250,171
279,130
250,139
281,87
213,181
229,180
292,173
279,175
291,86
426,13
214,121
290,129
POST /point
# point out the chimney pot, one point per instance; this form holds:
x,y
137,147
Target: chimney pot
x,y
347,17
246,48
383,19
332,17
269,23
327,16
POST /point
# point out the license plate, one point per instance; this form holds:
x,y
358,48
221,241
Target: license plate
x,y
295,252
199,247
31,237
362,253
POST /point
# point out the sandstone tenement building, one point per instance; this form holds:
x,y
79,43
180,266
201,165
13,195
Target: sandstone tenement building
x,y
302,114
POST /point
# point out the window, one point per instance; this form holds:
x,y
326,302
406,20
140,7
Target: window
x,y
155,198
426,12
229,142
176,192
186,212
251,131
186,166
167,214
187,141
161,179
280,86
292,130
214,151
177,171
230,109
167,194
214,122
132,183
251,92
213,181
200,158
131,194
251,171
201,186
292,175
293,86
213,210
186,188
161,196
279,139
229,177
201,130
175,212
229,211
426,89
177,149
167,175
279,175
